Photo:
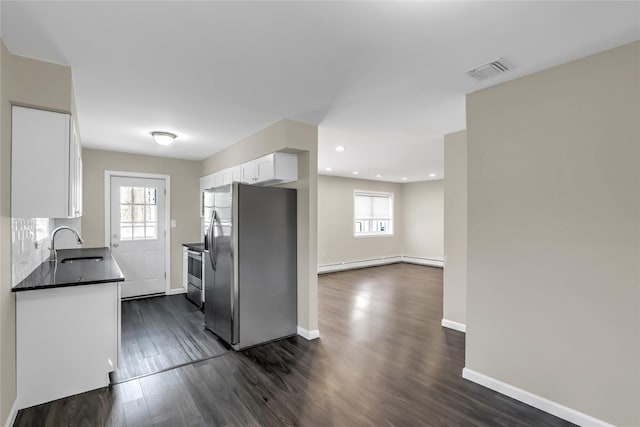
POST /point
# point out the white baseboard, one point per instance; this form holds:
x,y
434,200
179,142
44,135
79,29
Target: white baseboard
x,y
12,414
351,265
534,400
308,335
454,325
176,291
431,262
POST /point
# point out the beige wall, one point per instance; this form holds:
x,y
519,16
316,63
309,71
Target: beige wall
x,y
32,83
300,138
423,219
336,243
455,228
553,300
185,181
418,221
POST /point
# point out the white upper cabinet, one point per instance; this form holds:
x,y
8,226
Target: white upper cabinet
x,y
46,165
75,173
274,168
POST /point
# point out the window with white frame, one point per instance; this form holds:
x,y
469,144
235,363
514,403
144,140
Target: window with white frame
x,y
373,214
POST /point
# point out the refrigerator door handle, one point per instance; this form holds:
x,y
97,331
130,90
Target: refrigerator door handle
x,y
212,240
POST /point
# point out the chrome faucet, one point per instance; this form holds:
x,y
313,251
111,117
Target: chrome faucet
x,y
54,256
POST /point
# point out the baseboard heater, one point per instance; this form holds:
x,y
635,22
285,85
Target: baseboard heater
x,y
352,265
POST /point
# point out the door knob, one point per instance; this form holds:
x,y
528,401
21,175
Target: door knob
x,y
115,245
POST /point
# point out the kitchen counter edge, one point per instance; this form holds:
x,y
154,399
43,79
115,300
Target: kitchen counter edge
x,y
197,247
84,273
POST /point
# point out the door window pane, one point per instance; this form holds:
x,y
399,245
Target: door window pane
x,y
150,198
138,195
138,231
125,195
151,231
151,213
126,232
125,213
138,213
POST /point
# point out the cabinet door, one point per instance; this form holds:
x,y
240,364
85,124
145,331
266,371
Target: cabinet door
x,y
250,172
70,336
236,174
226,176
40,169
266,170
75,174
217,180
206,182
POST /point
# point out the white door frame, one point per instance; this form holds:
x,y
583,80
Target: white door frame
x,y
167,217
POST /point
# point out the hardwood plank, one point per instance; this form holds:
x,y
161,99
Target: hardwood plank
x,y
383,359
161,333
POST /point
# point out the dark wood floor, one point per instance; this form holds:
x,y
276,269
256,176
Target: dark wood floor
x,y
382,359
160,333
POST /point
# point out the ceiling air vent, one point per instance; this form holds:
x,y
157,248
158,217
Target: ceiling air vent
x,y
491,69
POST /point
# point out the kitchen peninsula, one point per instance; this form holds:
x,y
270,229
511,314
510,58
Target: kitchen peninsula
x,y
68,325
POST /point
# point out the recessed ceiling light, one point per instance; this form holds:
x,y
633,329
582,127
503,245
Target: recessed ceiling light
x,y
340,148
432,175
355,172
379,176
404,178
328,169
164,138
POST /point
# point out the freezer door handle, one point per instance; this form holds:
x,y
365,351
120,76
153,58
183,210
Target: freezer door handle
x,y
212,240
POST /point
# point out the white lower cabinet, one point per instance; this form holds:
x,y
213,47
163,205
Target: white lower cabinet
x,y
67,341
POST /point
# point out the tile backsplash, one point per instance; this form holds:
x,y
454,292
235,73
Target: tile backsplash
x,y
30,244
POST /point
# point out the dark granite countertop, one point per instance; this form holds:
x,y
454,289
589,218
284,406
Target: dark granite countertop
x,y
198,247
86,272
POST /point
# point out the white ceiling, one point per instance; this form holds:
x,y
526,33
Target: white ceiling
x,y
384,79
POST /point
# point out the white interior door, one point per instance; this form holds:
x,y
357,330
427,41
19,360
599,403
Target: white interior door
x,y
138,233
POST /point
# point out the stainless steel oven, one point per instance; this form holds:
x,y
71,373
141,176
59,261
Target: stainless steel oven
x,y
194,277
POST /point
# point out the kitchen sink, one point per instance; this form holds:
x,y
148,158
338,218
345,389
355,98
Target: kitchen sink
x,y
82,258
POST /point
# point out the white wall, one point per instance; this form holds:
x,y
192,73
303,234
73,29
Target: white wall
x,y
553,304
455,228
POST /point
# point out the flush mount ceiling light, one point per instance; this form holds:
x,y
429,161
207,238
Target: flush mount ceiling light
x,y
328,169
340,148
164,138
379,176
404,178
432,175
355,172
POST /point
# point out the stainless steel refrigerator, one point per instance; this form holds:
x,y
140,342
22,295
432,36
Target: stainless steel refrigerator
x,y
250,261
